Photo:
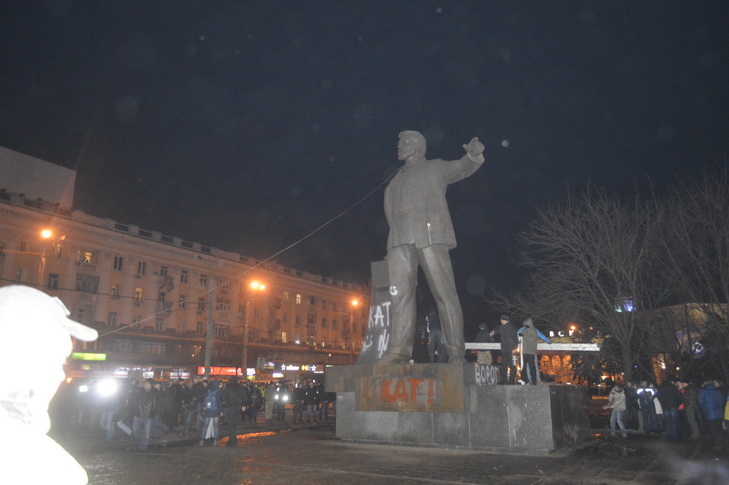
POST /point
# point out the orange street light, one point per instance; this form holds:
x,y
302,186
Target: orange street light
x,y
256,286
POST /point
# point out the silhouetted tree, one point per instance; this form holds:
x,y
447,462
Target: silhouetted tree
x,y
593,260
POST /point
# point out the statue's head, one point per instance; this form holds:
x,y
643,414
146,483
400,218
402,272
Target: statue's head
x,y
411,145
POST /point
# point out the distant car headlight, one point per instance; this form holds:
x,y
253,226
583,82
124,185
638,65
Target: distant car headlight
x,y
285,398
107,387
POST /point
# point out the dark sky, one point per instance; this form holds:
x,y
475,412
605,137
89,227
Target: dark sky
x,y
246,125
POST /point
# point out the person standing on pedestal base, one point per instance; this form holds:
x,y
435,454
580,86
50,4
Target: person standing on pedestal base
x,y
421,235
509,343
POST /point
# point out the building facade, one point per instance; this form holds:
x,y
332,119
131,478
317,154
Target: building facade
x,y
155,299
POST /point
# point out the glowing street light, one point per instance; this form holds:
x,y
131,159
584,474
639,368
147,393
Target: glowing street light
x,y
255,286
45,234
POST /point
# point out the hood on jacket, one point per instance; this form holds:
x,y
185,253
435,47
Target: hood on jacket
x,y
528,323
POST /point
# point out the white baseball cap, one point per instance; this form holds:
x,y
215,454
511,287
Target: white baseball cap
x,y
27,307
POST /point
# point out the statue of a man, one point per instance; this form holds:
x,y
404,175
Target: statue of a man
x,y
421,234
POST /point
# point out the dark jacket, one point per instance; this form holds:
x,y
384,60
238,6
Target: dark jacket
x,y
509,339
669,395
198,391
147,406
233,396
483,335
690,395
311,396
214,388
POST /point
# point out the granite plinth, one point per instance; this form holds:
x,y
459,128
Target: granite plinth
x,y
519,419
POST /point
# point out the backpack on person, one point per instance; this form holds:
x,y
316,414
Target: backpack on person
x,y
210,404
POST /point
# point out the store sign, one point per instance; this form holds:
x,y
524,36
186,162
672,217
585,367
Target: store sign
x,y
318,369
219,371
87,356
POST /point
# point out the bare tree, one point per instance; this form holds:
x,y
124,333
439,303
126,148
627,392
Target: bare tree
x,y
696,247
594,260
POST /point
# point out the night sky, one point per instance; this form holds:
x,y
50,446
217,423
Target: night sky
x,y
246,125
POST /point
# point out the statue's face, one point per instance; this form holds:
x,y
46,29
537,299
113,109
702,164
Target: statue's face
x,y
408,146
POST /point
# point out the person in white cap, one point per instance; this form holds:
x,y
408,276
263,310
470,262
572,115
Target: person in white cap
x,y
31,319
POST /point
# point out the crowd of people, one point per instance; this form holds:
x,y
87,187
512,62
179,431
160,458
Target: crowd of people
x,y
149,408
680,409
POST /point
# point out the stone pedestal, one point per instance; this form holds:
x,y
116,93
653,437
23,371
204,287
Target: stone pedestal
x,y
454,406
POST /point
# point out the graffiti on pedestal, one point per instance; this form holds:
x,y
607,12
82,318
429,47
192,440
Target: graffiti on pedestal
x,y
408,390
379,322
485,374
378,329
417,388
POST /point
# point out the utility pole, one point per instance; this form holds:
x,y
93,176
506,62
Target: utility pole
x,y
244,360
211,328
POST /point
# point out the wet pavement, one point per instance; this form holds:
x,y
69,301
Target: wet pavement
x,y
277,453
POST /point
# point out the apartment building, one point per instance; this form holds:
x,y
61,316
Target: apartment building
x,y
159,302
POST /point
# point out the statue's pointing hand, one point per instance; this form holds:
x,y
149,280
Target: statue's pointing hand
x,y
474,149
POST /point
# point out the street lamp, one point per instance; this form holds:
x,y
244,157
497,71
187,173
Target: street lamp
x,y
255,286
353,304
45,234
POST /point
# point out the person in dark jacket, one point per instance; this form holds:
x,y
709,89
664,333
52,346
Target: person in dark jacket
x,y
690,405
436,351
172,410
299,396
212,409
484,336
255,401
670,399
232,402
646,396
509,343
311,401
711,403
144,412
